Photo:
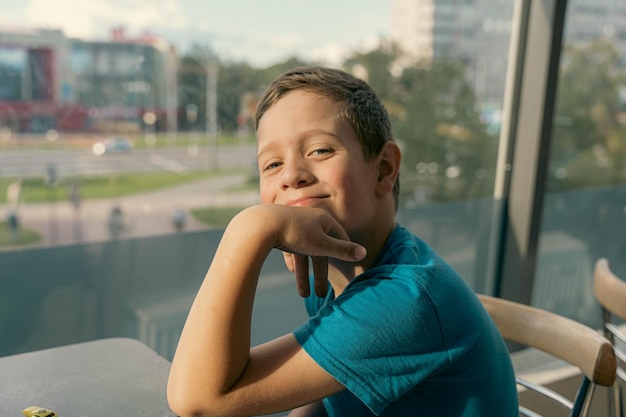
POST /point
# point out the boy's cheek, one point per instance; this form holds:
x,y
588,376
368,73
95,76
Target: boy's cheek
x,y
267,197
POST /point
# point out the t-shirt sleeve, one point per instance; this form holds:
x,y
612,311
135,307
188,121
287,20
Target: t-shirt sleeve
x,y
379,338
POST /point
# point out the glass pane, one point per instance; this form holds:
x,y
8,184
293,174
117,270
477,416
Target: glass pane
x,y
447,115
584,215
125,149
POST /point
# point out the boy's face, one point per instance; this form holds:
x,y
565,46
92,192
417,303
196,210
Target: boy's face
x,y
309,156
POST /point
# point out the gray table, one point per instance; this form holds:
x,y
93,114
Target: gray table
x,y
108,377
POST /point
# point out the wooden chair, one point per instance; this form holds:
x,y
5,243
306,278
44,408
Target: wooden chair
x,y
561,337
610,291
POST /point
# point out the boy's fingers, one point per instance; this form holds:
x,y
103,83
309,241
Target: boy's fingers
x,y
346,250
320,275
301,265
289,261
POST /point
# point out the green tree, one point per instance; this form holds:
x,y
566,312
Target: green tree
x,y
448,153
236,79
193,77
589,141
191,94
376,66
269,73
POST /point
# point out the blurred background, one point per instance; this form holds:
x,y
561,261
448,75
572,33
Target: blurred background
x,y
127,143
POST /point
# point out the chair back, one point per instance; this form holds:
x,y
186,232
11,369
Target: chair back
x,y
561,337
610,291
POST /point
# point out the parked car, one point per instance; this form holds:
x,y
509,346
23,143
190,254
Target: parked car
x,y
113,144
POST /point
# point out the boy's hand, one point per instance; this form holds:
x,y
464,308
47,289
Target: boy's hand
x,y
303,232
299,265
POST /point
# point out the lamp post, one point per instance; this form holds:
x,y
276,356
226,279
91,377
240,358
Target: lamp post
x,y
191,111
211,109
210,65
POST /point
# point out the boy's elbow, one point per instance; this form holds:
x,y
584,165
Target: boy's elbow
x,y
183,408
184,402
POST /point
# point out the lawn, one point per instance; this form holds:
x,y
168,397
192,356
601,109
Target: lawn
x,y
24,237
216,216
34,190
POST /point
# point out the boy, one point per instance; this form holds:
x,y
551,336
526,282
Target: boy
x,y
393,330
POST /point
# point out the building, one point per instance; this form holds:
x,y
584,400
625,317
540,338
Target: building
x,y
478,31
475,31
31,82
52,82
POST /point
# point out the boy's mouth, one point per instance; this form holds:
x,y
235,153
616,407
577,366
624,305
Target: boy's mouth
x,y
303,201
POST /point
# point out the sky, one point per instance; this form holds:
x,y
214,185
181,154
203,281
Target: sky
x,y
261,32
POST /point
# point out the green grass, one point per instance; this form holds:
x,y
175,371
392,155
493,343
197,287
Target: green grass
x,y
24,237
34,190
216,216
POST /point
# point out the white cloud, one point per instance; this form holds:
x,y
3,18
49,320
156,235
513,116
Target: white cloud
x,y
261,33
335,53
75,19
329,54
94,18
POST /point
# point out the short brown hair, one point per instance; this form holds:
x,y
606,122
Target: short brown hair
x,y
363,108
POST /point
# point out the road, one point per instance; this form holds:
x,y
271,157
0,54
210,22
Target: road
x,y
143,215
35,162
148,214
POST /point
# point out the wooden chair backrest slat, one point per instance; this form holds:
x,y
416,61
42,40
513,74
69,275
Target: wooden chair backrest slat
x,y
610,291
564,338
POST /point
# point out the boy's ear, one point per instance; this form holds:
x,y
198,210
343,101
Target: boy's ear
x,y
388,168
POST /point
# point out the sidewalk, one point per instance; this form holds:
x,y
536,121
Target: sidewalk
x,y
148,214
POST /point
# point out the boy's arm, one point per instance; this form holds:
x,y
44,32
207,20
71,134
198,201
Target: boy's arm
x,y
315,409
214,371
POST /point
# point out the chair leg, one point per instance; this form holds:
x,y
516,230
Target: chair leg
x,y
583,398
613,402
619,399
616,404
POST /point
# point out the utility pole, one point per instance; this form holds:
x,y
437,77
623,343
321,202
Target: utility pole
x,y
210,64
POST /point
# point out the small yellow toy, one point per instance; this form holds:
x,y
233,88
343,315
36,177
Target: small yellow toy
x,y
34,411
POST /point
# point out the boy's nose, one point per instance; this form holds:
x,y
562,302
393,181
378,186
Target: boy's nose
x,y
295,176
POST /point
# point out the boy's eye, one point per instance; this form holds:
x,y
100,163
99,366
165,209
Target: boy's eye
x,y
272,165
321,151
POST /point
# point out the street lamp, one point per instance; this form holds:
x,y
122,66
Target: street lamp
x,y
191,111
210,65
150,119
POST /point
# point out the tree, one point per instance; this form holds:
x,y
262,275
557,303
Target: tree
x,y
197,87
589,142
269,73
376,67
236,80
191,92
233,80
447,150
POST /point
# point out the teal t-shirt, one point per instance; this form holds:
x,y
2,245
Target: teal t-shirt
x,y
409,338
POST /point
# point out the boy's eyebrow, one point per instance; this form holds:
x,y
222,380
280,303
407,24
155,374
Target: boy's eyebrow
x,y
262,151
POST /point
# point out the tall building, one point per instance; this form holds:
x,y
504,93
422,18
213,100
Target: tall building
x,y
412,28
592,19
49,81
32,80
478,31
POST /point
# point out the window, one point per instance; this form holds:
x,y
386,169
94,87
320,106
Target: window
x,y
584,213
126,150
